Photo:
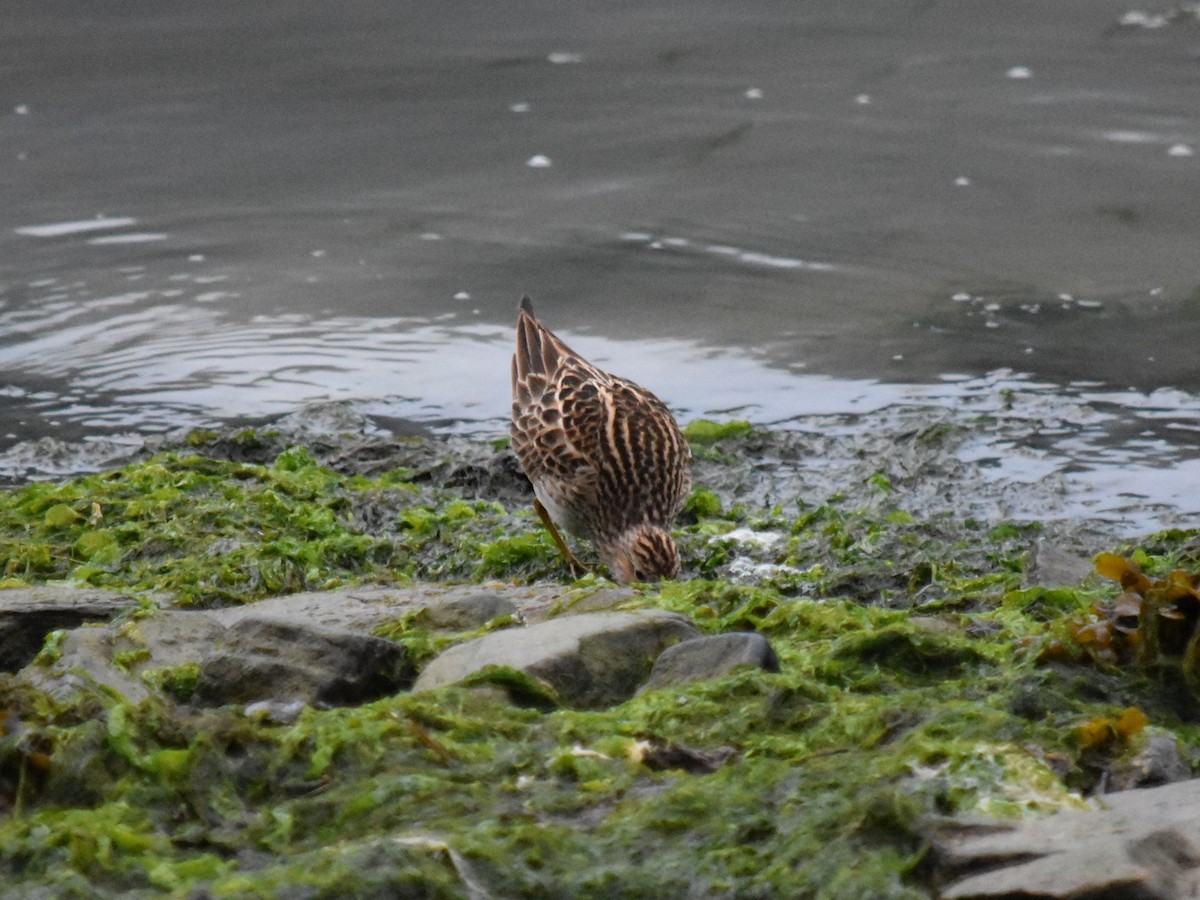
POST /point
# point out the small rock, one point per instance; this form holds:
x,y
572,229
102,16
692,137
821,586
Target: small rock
x,y
710,657
592,660
334,418
680,756
259,659
363,608
468,612
1049,565
1158,763
934,625
497,477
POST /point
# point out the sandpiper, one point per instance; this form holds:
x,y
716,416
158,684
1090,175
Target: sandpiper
x,y
607,461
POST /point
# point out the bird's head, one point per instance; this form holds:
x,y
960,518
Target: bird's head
x,y
643,553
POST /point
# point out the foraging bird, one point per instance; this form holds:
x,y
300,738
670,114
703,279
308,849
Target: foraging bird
x,y
606,459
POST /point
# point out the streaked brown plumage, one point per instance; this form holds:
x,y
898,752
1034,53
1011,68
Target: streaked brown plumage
x,y
606,459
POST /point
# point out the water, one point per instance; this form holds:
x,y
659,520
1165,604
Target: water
x,y
769,210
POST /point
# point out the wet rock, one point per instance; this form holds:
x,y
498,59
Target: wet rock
x,y
592,660
1159,762
1053,565
266,659
27,615
466,612
498,477
335,418
1138,844
710,657
49,457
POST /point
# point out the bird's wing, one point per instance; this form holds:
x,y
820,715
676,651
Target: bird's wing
x,y
555,417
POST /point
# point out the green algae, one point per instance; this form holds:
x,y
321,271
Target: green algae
x,y
702,504
422,644
709,440
179,682
836,758
213,532
913,682
703,433
51,650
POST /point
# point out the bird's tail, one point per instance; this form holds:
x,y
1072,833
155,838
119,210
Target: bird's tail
x,y
538,350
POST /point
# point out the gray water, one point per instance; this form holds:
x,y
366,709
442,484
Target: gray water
x,y
775,210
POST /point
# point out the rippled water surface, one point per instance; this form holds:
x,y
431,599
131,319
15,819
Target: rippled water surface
x,y
770,210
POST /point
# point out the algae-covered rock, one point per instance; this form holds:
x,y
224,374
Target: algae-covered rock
x,y
590,660
267,659
114,656
84,662
27,615
711,657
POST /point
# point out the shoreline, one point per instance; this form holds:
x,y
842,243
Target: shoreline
x,y
929,662
996,462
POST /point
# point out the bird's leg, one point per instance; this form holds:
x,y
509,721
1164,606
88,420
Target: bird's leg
x,y
574,566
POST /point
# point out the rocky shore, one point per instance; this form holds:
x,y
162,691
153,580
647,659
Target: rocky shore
x,y
311,659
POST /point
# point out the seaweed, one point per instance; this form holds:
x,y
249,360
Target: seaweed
x,y
917,677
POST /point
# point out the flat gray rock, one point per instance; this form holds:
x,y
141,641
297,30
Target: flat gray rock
x,y
265,659
1138,844
466,612
352,608
710,656
27,615
591,660
363,608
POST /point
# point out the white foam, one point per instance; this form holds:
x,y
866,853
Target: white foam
x,y
775,262
134,237
59,229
